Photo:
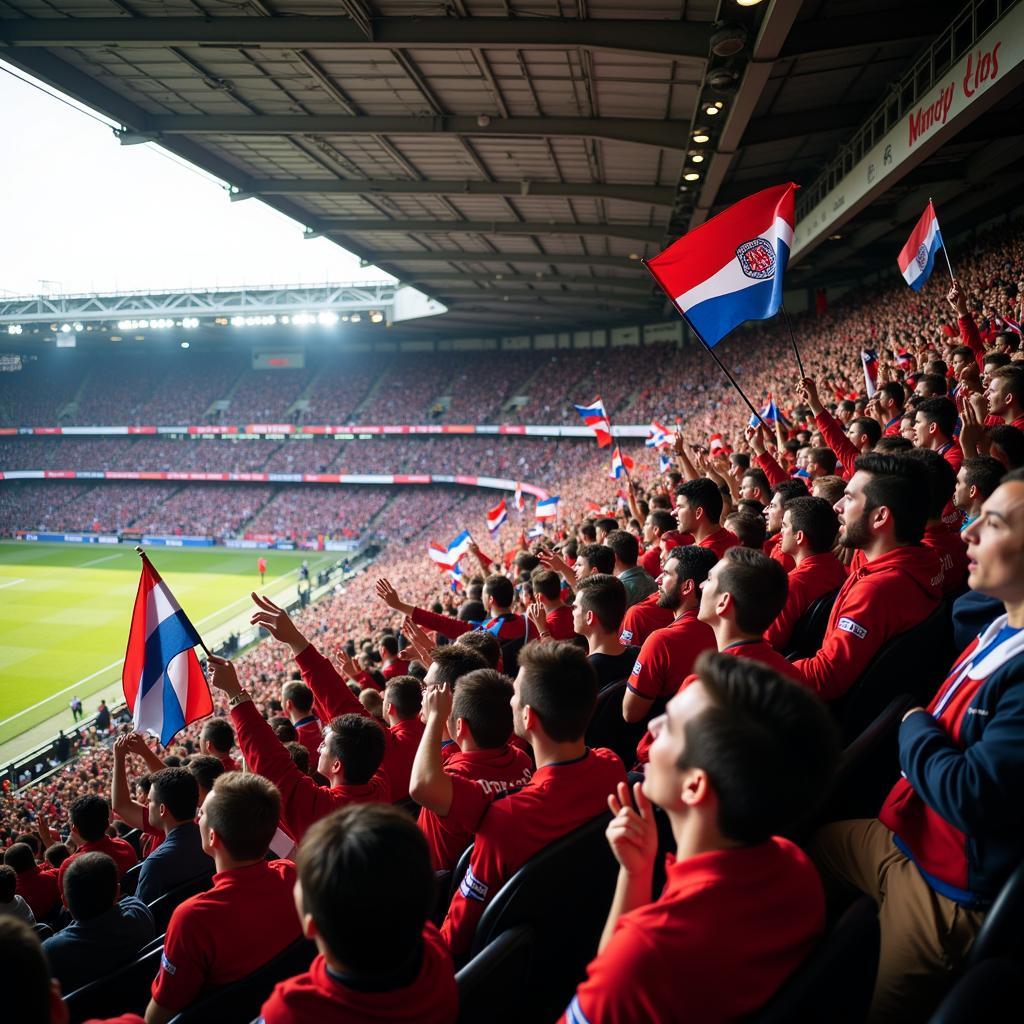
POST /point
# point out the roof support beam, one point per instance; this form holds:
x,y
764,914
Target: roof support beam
x,y
400,259
676,39
435,279
641,231
653,195
905,22
640,130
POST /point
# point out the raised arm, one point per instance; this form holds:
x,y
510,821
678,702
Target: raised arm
x,y
686,465
430,785
969,333
831,429
121,802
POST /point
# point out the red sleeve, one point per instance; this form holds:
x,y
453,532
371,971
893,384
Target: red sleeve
x,y
443,624
485,562
330,692
835,437
646,678
971,337
775,473
483,878
469,803
185,963
780,631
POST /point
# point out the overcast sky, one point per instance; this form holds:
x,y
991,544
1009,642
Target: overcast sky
x,y
82,213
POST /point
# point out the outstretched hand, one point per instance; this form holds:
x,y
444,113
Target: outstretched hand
x,y
632,834
387,593
224,677
277,622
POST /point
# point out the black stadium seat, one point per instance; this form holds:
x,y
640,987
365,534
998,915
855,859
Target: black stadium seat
x,y
992,990
837,979
810,628
491,985
609,729
164,906
1002,933
134,836
130,880
123,991
240,1002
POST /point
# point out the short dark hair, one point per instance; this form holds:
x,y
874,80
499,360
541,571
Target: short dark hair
x,y
300,695
759,478
219,734
299,753
357,741
178,790
526,562
1013,374
793,488
768,745
283,728
758,586
741,460
560,685
694,561
816,519
501,589
587,531
8,883
605,596
600,557
935,384
90,885
871,427
750,529
546,583
824,457
90,816
487,645
894,444
243,809
661,518
453,661
23,969
56,854
367,881
624,545
20,857
205,769
702,493
996,358
606,523
900,485
941,411
983,472
941,479
1011,440
405,695
893,390
389,643
483,701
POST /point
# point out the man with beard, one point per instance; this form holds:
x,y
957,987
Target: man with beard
x,y
668,654
894,582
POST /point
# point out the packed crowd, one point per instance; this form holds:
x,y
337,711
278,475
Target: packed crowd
x,y
679,597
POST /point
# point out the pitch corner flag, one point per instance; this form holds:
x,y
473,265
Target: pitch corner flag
x,y
164,685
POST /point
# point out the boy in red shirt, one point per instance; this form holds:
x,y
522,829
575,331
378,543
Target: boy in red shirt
x,y
455,791
391,664
247,918
547,590
90,819
297,701
554,698
947,543
217,739
403,698
699,511
738,756
364,894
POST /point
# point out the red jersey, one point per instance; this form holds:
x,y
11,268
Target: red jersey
x,y
952,552
558,799
403,739
719,541
39,889
122,853
424,994
728,929
879,600
642,619
225,933
504,627
773,549
311,734
394,668
668,654
814,577
302,800
650,561
560,623
835,437
230,764
478,777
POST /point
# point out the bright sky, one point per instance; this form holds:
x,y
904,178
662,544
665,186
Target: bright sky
x,y
82,213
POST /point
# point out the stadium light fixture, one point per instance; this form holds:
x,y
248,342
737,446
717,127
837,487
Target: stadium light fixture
x,y
747,3
184,344
697,158
691,176
327,318
711,110
65,328
701,137
356,318
376,317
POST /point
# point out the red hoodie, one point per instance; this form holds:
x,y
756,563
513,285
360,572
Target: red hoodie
x,y
952,552
879,600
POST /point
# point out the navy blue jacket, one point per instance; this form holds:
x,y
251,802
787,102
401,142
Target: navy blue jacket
x,y
178,859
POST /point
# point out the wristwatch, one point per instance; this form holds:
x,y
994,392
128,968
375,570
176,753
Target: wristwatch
x,y
239,698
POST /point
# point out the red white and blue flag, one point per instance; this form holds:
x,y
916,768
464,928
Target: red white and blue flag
x,y
869,359
1012,325
439,556
769,414
664,462
620,464
730,269
659,436
547,508
718,445
497,516
164,687
458,547
456,574
917,258
519,501
596,418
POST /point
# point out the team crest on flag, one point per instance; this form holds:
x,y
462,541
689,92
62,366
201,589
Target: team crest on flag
x,y
757,259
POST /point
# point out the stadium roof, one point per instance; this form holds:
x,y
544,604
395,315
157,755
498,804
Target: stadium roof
x,y
513,161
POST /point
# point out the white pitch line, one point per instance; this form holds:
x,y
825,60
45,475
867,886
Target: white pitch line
x,y
10,583
106,558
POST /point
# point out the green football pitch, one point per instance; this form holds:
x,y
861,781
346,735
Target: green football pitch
x,y
65,612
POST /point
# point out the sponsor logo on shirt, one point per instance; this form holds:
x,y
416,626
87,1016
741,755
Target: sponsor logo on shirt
x,y
638,667
626,636
978,711
167,965
849,626
472,888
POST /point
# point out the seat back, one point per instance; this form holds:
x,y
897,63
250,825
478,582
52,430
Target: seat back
x,y
809,630
987,992
1002,932
492,984
130,879
241,1000
165,905
134,836
609,729
125,990
44,931
563,893
836,981
913,662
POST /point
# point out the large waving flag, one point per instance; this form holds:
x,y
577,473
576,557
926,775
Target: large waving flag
x,y
917,258
620,464
730,269
164,686
596,418
458,547
496,516
547,508
439,556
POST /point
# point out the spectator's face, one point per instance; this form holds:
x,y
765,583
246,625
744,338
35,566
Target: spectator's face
x,y
908,428
709,596
581,569
857,436
788,537
962,493
204,825
579,618
922,431
665,783
995,545
773,514
670,586
996,394
854,528
518,723
959,362
326,760
685,515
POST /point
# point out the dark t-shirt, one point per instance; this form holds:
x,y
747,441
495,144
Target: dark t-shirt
x,y
612,668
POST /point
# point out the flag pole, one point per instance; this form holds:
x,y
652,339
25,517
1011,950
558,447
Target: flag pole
x,y
145,558
792,338
707,348
949,265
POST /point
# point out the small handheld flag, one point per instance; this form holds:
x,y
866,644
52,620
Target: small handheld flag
x,y
163,682
439,556
869,358
595,417
664,463
496,516
456,574
769,414
547,508
917,258
519,501
659,436
621,464
458,547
